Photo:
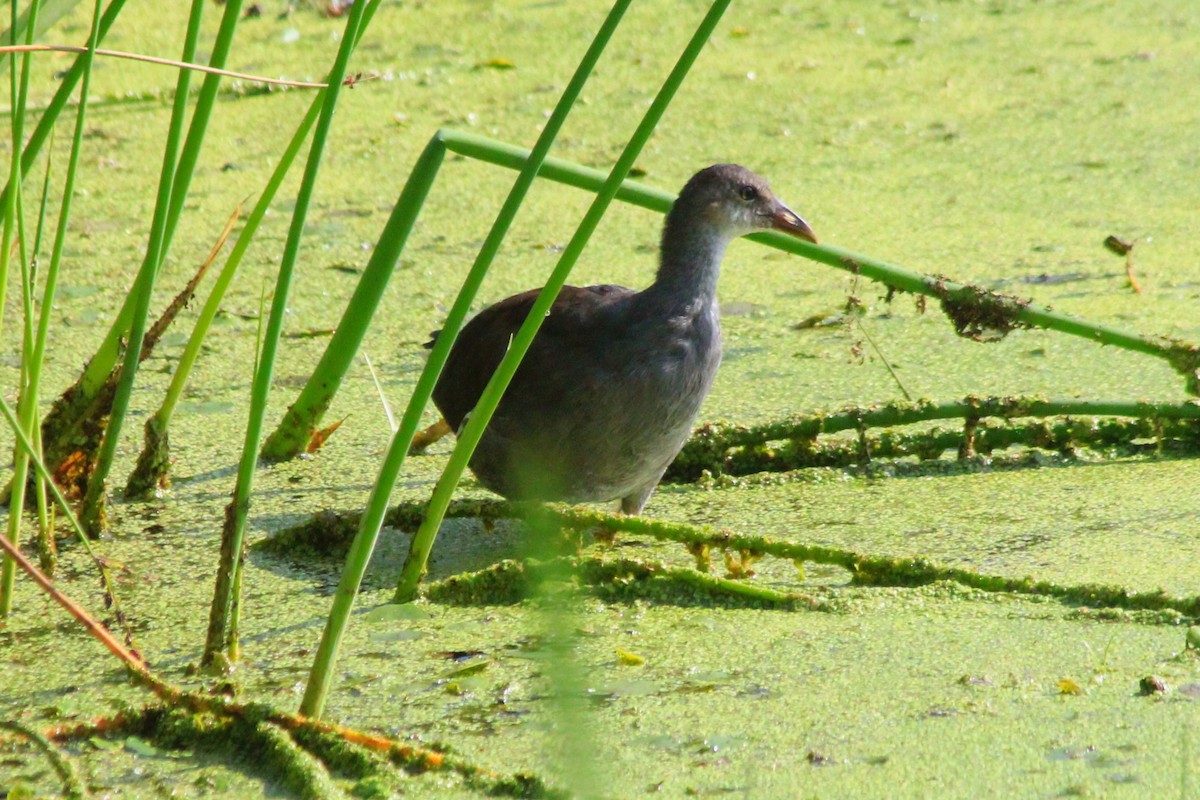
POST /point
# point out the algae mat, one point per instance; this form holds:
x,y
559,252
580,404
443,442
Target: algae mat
x,y
996,142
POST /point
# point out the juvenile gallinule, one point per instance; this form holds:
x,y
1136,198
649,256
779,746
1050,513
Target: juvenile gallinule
x,y
606,395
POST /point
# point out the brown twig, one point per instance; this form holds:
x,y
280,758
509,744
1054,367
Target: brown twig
x,y
166,62
94,626
171,694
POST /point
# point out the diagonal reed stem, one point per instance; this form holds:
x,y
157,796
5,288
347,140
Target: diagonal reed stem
x,y
472,431
1184,357
233,532
368,532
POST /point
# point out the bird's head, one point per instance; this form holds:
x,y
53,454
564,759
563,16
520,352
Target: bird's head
x,y
735,201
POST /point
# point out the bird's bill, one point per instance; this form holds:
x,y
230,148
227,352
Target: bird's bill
x,y
788,221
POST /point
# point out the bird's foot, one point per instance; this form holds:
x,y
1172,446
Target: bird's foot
x,y
605,536
428,436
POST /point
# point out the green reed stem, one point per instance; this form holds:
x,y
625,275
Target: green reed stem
x,y
52,270
233,532
422,177
31,369
156,427
472,431
15,176
202,113
1183,357
19,91
93,503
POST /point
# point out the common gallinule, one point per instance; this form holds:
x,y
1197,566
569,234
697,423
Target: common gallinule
x,y
606,395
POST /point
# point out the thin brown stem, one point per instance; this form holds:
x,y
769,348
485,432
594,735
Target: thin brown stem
x,y
168,62
94,626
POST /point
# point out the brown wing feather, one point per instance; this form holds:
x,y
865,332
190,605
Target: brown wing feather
x,y
485,339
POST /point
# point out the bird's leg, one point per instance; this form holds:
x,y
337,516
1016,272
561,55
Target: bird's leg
x,y
428,436
631,506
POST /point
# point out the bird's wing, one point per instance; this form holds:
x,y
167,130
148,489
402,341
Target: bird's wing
x,y
486,338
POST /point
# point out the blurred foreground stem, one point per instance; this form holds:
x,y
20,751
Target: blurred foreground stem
x,y
390,245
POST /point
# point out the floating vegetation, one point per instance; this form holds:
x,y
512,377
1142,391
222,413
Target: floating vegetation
x,y
730,583
621,580
989,424
506,582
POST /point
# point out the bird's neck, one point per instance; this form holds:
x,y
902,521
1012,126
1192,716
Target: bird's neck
x,y
691,264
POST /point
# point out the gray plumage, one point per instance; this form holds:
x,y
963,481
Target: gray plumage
x,y
609,390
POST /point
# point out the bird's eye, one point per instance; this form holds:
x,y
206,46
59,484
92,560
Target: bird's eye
x,y
747,192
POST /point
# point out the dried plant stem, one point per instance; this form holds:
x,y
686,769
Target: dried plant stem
x,y
166,62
